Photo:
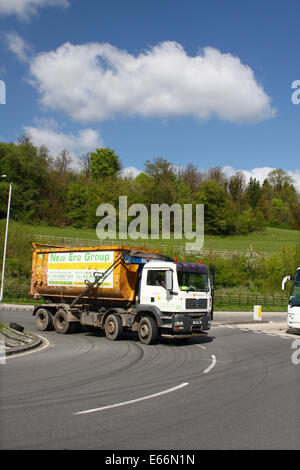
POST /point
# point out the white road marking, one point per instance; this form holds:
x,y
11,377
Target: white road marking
x,y
164,392
214,361
212,365
250,330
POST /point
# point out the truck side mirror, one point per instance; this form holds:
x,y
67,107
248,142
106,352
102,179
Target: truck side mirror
x,y
285,279
169,280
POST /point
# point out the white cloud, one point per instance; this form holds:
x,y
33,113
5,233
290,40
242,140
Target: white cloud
x,y
26,8
94,82
261,174
87,139
18,46
130,171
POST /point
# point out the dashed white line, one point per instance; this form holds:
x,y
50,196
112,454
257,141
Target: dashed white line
x,y
164,392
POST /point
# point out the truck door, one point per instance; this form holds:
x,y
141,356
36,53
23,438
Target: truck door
x,y
154,289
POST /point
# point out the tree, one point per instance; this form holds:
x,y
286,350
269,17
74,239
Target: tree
x,y
253,192
27,170
104,162
85,164
252,262
296,215
163,182
217,174
25,139
219,215
192,177
236,189
246,221
76,204
280,212
278,178
160,169
63,162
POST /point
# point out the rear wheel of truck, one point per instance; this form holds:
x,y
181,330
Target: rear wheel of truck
x,y
148,332
113,327
44,319
62,324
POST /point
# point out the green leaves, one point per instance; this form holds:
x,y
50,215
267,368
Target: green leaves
x,y
104,162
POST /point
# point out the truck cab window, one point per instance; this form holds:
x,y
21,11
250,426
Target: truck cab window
x,y
156,278
295,292
189,281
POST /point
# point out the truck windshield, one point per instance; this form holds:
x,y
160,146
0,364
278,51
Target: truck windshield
x,y
189,281
295,291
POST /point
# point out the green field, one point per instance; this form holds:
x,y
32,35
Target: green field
x,y
269,240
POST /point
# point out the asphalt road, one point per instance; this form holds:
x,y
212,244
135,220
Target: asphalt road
x,y
233,390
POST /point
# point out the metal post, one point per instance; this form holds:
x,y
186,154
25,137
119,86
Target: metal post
x,y
5,243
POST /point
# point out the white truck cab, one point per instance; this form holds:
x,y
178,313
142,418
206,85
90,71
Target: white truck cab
x,y
181,295
293,314
176,287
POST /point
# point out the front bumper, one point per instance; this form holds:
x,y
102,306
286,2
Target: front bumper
x,y
293,320
190,324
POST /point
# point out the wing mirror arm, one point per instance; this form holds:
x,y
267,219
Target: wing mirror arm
x,y
285,279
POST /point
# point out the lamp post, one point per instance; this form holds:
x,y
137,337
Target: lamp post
x,y
5,240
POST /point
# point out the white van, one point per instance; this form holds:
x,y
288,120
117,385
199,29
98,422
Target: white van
x,y
293,317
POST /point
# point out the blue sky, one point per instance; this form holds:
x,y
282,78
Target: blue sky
x,y
202,82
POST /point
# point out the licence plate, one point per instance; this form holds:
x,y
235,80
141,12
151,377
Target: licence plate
x,y
197,322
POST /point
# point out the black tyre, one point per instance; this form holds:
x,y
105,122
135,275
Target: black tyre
x,y
44,319
148,332
62,324
113,327
16,326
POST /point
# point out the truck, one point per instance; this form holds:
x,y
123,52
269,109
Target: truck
x,y
121,288
293,314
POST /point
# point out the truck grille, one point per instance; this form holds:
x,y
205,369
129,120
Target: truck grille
x,y
196,303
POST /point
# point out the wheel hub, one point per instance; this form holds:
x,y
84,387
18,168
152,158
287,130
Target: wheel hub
x,y
144,331
111,327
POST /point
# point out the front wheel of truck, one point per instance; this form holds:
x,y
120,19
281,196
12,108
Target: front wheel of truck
x,y
113,327
148,332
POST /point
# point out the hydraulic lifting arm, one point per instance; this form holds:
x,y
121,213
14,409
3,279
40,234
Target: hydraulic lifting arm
x,y
99,278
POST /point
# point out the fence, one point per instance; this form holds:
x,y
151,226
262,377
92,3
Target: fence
x,y
66,241
227,298
11,293
221,298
